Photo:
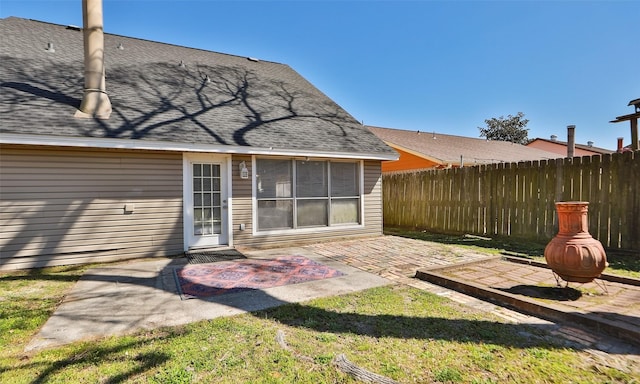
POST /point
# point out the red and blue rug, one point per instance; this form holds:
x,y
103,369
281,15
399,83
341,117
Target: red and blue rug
x,y
214,279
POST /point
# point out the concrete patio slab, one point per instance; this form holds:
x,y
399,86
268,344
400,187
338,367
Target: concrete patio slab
x,y
127,297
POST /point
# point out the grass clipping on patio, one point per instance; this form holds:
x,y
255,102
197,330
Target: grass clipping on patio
x,y
397,332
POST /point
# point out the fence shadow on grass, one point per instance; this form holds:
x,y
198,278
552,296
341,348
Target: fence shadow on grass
x,y
628,261
522,248
619,260
414,327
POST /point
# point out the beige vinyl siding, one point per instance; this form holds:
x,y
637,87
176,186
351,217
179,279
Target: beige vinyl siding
x,y
242,201
242,213
373,197
67,206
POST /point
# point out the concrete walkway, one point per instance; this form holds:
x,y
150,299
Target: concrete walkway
x,y
128,297
124,298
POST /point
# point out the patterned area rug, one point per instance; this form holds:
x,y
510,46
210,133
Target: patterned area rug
x,y
206,280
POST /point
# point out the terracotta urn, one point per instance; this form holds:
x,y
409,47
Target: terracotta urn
x,y
573,254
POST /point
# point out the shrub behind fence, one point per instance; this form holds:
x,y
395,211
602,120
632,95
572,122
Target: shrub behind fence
x,y
517,199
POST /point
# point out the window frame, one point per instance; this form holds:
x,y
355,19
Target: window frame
x,y
295,229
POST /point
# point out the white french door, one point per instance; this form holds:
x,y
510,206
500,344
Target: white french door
x,y
205,201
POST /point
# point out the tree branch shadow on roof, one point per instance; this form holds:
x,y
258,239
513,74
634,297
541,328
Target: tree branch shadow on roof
x,y
207,103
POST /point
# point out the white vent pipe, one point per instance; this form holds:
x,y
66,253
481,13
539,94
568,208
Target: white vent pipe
x,y
95,101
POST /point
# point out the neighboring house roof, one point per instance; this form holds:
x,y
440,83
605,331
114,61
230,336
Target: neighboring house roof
x,y
447,150
215,102
560,147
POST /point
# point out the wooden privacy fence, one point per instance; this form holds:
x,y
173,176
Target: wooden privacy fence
x,y
517,199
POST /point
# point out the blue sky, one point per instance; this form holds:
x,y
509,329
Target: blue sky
x,y
442,66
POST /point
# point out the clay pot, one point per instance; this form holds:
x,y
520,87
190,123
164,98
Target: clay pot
x,y
573,254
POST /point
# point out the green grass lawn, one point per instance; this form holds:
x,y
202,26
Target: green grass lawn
x,y
620,263
400,332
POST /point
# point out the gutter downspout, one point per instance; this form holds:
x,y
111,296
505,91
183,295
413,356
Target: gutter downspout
x,y
95,101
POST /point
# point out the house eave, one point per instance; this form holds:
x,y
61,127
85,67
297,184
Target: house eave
x,y
418,154
106,143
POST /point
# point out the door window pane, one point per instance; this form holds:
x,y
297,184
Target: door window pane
x,y
206,199
207,229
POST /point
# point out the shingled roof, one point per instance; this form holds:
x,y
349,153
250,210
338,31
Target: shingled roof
x,y
447,149
167,95
560,147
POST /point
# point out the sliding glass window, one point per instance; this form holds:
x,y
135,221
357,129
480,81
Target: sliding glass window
x,y
307,193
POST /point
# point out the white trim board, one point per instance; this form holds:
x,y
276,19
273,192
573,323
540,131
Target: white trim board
x,y
60,141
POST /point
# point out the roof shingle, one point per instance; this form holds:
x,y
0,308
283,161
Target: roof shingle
x,y
215,99
448,149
